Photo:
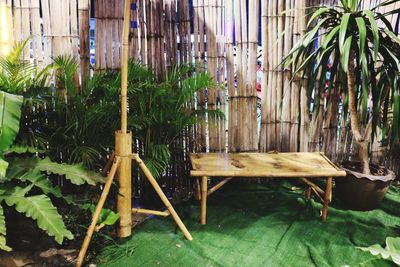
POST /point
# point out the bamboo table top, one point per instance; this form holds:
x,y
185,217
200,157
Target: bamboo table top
x,y
302,164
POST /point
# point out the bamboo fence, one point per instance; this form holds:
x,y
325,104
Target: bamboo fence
x,y
6,27
219,36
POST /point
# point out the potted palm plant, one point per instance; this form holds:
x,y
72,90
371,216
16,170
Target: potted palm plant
x,y
363,51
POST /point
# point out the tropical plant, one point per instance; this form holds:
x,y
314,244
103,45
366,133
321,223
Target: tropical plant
x,y
158,111
363,51
26,172
17,76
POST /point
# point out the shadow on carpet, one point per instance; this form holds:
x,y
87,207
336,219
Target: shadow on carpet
x,y
258,225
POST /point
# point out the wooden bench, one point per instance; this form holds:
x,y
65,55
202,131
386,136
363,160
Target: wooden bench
x,y
302,165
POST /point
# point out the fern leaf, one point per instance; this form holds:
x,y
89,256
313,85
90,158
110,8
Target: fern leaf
x,y
41,209
76,173
3,245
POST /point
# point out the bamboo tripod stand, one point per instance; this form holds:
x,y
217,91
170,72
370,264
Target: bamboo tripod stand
x,y
121,165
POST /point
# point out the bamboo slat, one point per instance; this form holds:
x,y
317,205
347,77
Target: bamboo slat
x,y
6,27
36,35
264,79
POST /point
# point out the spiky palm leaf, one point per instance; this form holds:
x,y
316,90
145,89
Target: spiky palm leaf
x,y
346,36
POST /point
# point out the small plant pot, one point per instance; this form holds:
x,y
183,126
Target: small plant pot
x,y
360,191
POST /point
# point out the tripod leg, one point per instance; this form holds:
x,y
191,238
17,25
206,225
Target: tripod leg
x,y
162,196
96,214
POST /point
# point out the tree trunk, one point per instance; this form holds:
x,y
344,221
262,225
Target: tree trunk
x,y
362,142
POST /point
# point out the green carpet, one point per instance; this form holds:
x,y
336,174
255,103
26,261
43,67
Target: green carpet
x,y
259,225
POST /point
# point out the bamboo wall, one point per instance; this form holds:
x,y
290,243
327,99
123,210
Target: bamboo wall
x,y
220,36
6,37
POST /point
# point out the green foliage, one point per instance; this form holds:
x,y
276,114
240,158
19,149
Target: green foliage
x,y
26,180
390,252
10,112
3,245
346,30
158,113
75,173
107,216
16,76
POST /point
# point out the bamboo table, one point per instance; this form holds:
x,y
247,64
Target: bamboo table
x,y
303,165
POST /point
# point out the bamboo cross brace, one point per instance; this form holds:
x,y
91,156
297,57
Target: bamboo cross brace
x,y
152,212
162,196
312,185
218,186
96,214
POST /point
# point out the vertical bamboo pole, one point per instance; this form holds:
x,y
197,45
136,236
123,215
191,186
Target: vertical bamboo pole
x,y
271,126
251,87
17,20
235,113
142,15
36,33
286,96
111,35
295,86
279,75
98,32
117,32
134,49
47,44
84,40
230,68
304,115
221,74
6,27
25,28
123,138
264,79
202,137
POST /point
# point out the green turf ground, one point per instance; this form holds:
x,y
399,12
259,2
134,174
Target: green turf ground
x,y
259,225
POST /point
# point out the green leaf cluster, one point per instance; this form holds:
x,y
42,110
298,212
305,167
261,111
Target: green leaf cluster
x,y
336,34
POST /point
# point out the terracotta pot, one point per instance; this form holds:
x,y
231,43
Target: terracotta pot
x,y
360,191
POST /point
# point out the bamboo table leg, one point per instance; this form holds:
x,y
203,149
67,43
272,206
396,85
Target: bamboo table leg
x,y
327,198
203,199
197,193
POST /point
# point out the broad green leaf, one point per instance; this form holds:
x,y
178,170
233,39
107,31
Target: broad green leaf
x,y
344,57
3,245
21,149
107,216
10,113
343,29
18,166
3,168
76,173
375,31
39,180
41,209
